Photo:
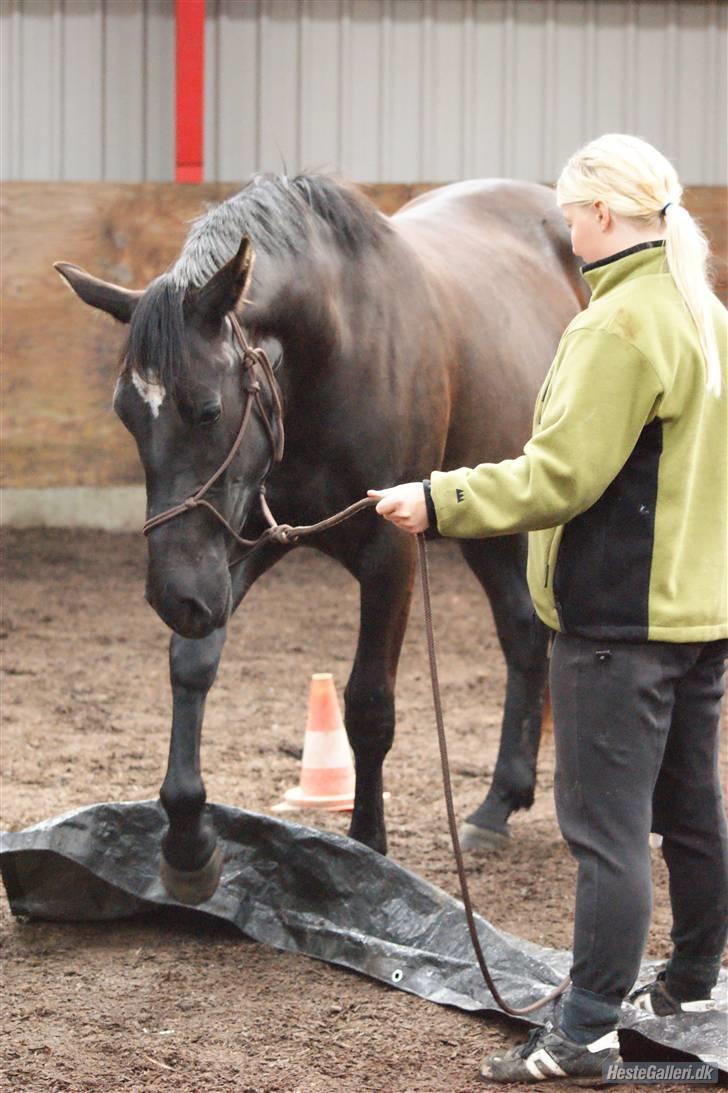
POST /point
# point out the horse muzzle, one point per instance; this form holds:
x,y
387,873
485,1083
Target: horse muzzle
x,y
188,603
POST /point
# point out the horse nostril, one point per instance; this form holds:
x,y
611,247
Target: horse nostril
x,y
196,608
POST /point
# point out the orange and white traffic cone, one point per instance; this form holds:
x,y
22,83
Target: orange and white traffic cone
x,y
327,771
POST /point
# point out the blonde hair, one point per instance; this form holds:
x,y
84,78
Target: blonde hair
x,y
637,181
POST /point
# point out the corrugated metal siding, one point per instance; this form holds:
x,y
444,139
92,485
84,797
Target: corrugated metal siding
x,y
427,90
87,90
386,90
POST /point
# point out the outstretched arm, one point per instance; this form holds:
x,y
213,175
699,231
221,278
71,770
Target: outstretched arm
x,y
602,393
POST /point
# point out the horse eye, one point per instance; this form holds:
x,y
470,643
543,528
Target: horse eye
x,y
208,414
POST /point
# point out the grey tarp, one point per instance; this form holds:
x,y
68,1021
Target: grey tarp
x,y
310,892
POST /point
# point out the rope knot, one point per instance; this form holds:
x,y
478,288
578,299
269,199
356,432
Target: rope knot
x,y
281,533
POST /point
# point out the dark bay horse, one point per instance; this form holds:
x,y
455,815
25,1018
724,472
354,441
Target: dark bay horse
x,y
400,345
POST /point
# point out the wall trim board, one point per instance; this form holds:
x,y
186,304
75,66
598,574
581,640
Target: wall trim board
x,y
106,508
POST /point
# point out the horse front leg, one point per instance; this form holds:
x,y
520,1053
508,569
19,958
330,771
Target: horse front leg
x,y
385,575
191,862
500,566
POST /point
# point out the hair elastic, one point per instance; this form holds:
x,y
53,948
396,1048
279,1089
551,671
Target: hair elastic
x,y
665,207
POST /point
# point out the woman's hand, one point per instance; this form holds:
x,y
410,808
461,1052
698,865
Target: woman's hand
x,y
404,506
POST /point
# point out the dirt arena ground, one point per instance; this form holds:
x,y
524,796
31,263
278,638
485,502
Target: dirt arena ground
x,y
184,1007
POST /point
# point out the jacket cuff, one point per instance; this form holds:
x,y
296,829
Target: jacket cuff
x,y
431,532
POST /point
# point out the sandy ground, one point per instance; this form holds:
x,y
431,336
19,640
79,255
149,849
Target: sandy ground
x,y
184,1006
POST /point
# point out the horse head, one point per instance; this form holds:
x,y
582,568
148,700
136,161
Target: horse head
x,y
185,382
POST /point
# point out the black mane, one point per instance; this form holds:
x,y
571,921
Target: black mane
x,y
282,216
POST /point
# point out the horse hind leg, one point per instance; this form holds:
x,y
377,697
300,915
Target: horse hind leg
x,y
500,566
191,862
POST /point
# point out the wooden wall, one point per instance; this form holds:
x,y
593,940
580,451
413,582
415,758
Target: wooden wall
x,y
60,357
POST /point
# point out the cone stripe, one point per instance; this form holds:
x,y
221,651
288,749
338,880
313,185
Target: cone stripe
x,y
326,749
329,782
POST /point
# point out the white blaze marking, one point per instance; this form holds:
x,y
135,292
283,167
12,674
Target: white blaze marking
x,y
151,393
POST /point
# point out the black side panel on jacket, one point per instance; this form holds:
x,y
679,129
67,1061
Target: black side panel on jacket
x,y
602,577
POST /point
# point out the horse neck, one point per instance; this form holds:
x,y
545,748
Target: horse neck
x,y
324,305
342,329
294,300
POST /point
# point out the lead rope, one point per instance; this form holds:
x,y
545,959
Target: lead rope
x,y
449,804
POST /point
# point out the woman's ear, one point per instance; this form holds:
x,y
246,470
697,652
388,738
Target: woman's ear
x,y
603,215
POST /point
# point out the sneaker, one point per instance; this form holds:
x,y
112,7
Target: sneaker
x,y
655,998
547,1054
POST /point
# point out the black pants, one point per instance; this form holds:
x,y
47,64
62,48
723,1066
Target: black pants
x,y
637,734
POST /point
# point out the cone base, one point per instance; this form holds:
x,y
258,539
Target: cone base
x,y
295,799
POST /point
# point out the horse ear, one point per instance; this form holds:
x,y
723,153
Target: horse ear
x,y
115,300
225,289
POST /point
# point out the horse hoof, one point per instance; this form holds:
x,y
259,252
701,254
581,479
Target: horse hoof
x,y
483,840
195,885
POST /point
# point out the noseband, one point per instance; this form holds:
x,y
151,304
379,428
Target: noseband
x,y
252,358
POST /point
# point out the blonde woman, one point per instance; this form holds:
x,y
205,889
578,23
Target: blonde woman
x,y
624,489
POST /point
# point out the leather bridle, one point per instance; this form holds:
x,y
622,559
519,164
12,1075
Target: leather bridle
x,y
253,357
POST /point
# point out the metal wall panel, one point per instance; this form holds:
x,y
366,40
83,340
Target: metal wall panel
x,y
158,92
231,82
82,76
362,92
123,99
86,90
385,90
430,90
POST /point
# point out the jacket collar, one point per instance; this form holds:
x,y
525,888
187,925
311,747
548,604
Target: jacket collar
x,y
607,273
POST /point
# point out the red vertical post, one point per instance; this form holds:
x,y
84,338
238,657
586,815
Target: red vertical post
x,y
190,89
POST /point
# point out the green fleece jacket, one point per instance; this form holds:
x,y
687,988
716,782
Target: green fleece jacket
x,y
624,483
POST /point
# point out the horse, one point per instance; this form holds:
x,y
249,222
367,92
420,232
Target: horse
x,y
395,345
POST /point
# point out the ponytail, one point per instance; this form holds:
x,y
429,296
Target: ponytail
x,y
687,253
639,183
